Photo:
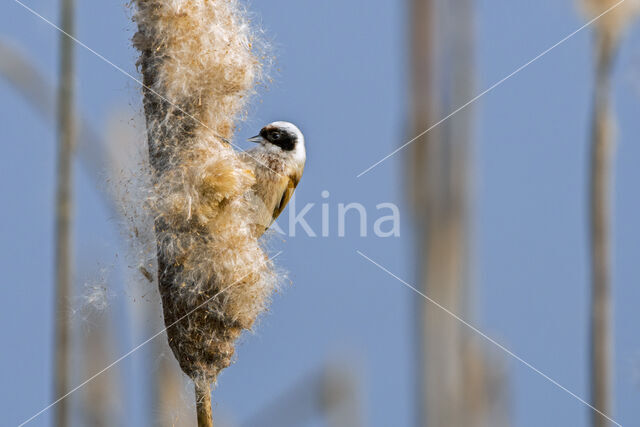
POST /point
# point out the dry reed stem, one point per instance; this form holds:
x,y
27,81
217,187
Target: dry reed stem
x,y
199,68
602,151
203,403
454,381
64,212
608,32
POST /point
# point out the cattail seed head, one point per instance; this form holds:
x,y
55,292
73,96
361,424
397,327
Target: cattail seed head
x,y
199,69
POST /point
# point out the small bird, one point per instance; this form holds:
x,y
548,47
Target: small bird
x,y
278,162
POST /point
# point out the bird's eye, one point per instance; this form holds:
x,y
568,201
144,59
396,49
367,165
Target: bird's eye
x,y
275,136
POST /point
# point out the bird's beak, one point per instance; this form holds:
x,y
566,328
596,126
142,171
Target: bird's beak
x,y
257,139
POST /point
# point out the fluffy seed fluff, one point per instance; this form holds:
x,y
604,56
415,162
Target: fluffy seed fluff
x,y
199,68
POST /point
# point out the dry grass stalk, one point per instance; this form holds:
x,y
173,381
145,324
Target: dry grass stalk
x,y
602,147
203,404
456,377
64,211
199,68
609,29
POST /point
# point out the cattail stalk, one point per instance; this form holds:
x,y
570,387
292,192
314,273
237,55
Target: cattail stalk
x,y
64,210
614,17
424,112
203,403
199,68
454,373
602,148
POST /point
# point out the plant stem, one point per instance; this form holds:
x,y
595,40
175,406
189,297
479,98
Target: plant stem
x,y
203,403
602,150
64,210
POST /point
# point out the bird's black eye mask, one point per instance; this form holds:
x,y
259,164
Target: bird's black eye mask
x,y
279,137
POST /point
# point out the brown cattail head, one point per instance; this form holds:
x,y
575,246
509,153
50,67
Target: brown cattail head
x,y
199,68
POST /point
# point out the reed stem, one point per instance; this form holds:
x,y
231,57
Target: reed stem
x,y
63,218
203,404
602,152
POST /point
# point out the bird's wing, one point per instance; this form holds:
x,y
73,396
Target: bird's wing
x,y
286,195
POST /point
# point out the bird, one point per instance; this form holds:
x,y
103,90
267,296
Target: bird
x,y
277,164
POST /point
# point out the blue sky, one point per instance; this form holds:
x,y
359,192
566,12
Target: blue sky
x,y
341,74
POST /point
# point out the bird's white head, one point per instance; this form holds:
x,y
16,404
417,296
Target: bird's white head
x,y
283,138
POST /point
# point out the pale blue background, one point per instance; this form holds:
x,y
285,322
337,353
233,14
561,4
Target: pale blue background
x,y
341,74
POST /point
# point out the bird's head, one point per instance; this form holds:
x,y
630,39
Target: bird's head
x,y
282,136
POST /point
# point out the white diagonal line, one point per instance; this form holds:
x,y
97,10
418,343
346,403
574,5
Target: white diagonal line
x,y
133,350
488,338
489,89
139,82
